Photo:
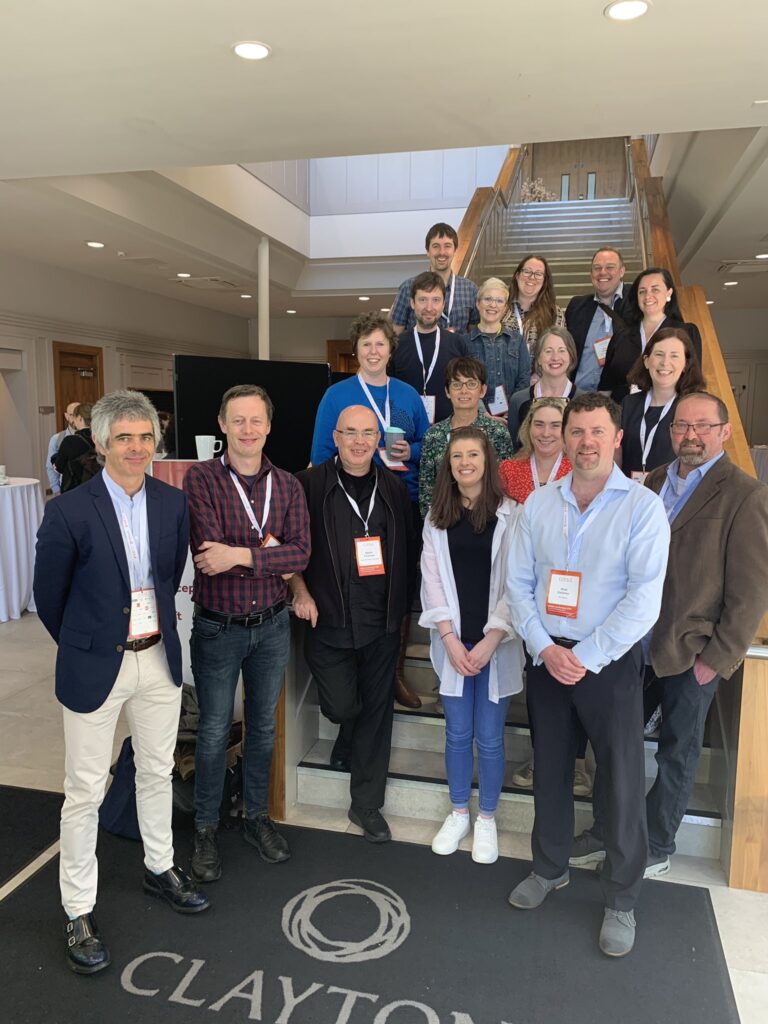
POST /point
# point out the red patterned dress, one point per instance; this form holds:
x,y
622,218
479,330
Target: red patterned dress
x,y
517,479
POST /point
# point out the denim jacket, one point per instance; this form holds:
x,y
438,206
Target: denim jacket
x,y
505,357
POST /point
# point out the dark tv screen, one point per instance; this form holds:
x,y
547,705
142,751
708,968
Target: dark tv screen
x,y
295,390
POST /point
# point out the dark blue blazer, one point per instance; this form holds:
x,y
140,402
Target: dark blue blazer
x,y
83,591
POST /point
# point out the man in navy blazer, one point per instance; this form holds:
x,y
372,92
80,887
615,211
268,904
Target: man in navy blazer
x,y
588,319
110,555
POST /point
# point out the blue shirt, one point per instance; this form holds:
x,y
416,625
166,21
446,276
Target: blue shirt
x,y
463,311
54,477
406,411
677,489
588,373
622,556
131,515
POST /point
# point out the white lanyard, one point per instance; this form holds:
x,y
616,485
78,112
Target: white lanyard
x,y
133,551
552,475
447,312
646,446
259,527
644,341
385,419
421,356
356,507
566,391
570,548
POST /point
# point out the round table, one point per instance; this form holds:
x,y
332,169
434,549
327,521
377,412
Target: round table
x,y
21,512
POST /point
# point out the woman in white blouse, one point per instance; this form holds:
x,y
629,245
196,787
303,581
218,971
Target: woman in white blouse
x,y
474,649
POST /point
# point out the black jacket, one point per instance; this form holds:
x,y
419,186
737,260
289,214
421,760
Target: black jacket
x,y
67,458
579,315
661,453
322,575
624,348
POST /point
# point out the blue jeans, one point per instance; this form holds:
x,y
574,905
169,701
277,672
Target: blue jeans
x,y
472,716
219,653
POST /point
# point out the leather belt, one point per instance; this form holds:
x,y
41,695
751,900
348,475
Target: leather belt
x,y
255,619
563,641
143,644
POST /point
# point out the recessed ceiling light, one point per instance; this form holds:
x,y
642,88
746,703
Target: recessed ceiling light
x,y
183,275
249,49
762,256
710,302
626,10
730,284
364,298
95,245
759,103
290,311
246,296
384,309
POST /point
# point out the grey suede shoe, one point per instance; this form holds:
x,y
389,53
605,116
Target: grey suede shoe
x,y
617,936
534,889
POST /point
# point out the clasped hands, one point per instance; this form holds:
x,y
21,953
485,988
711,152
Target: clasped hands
x,y
468,663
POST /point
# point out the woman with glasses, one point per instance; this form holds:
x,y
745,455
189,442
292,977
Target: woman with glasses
x,y
473,647
534,306
667,369
465,386
650,306
554,356
499,346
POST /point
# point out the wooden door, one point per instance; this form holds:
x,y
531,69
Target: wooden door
x,y
78,372
340,358
582,168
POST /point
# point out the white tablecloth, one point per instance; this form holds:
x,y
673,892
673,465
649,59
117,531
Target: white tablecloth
x,y
21,512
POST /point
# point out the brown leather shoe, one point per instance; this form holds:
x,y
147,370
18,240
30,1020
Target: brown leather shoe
x,y
403,693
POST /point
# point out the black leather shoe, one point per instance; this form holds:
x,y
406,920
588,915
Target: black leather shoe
x,y
177,889
372,823
86,952
341,756
206,861
261,833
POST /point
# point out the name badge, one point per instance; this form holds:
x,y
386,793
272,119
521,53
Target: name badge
x,y
499,405
392,463
601,347
370,559
563,594
270,541
638,476
144,618
429,406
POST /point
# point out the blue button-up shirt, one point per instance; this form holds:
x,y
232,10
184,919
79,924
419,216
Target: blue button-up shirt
x,y
588,373
678,489
622,558
131,515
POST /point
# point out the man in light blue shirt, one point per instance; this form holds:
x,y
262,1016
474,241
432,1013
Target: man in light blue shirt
x,y
54,477
584,581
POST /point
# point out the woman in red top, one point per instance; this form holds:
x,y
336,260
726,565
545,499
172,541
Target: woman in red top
x,y
541,458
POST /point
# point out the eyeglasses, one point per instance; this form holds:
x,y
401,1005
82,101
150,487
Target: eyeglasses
x,y
470,385
533,275
355,435
493,302
681,428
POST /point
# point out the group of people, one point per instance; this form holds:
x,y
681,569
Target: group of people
x,y
551,560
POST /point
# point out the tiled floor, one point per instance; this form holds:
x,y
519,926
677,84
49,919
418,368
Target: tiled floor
x,y
32,750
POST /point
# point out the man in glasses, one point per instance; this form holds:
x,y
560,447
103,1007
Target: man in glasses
x,y
460,293
589,318
715,593
353,595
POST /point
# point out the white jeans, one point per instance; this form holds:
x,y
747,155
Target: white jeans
x,y
152,701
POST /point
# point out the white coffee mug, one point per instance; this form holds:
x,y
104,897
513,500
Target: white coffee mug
x,y
207,446
2,472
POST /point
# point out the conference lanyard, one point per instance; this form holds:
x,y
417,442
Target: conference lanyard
x,y
643,340
385,419
566,390
646,446
518,317
259,527
447,313
571,547
356,507
552,475
426,375
135,571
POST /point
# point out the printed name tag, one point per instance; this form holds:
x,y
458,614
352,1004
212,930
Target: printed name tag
x,y
601,347
390,462
270,542
429,406
563,594
638,476
499,405
144,619
370,560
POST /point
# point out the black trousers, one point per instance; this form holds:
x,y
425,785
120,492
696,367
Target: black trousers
x,y
609,707
356,690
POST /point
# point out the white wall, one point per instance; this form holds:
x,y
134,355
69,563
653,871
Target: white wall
x,y
741,329
303,340
289,178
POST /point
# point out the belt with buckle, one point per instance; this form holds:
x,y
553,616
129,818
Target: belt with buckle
x,y
143,644
255,619
563,641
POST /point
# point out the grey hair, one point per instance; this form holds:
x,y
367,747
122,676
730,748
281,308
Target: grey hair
x,y
121,405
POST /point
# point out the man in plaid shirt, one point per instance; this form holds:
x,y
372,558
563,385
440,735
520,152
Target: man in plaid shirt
x,y
249,530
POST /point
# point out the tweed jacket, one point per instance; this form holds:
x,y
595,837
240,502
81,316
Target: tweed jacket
x,y
716,587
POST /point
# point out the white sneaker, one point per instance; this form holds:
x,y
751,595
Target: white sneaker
x,y
523,777
485,849
454,828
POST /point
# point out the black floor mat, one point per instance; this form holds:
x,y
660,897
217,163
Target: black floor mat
x,y
29,823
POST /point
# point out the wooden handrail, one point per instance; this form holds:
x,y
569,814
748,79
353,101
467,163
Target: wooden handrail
x,y
479,205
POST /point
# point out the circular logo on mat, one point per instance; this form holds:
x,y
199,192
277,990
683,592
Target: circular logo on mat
x,y
393,928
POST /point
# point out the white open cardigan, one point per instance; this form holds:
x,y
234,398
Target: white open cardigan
x,y
440,602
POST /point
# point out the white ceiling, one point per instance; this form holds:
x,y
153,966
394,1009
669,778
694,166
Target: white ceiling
x,y
99,87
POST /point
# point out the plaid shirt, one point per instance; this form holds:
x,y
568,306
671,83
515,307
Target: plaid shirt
x,y
463,312
217,514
